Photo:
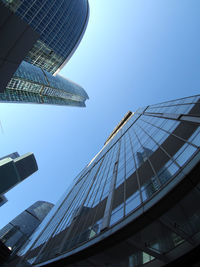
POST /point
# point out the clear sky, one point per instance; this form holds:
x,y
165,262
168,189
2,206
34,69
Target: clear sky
x,y
134,53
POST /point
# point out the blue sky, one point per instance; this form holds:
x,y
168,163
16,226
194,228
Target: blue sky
x,y
134,53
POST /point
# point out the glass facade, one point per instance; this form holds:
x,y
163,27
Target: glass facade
x,y
150,152
17,232
60,24
32,84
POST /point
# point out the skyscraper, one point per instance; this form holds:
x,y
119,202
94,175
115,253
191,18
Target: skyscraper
x,y
58,29
14,155
17,232
14,169
30,84
136,202
60,26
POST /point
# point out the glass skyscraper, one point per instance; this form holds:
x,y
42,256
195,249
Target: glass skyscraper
x,y
17,232
60,26
136,202
3,200
31,84
14,169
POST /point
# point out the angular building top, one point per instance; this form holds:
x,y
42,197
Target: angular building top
x,y
14,169
3,200
137,202
60,25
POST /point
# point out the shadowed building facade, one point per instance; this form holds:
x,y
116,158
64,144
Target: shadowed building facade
x,y
17,232
136,202
14,169
58,28
14,155
3,200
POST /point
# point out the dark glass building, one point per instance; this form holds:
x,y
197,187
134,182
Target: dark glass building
x,y
14,169
17,232
60,25
137,202
56,29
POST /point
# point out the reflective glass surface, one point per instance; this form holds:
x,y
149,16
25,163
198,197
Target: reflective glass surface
x,y
32,84
60,25
146,153
17,232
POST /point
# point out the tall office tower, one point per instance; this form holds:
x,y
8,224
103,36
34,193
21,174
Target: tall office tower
x,y
14,169
56,28
136,202
16,233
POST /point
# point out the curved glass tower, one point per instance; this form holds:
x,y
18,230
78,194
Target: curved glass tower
x,y
137,202
60,25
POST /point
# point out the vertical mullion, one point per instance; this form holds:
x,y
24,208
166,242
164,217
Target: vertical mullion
x,y
148,160
83,201
108,209
137,175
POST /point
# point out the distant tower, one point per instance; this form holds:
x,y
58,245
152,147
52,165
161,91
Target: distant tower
x,y
17,232
14,169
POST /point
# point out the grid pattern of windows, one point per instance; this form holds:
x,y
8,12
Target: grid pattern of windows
x,y
153,146
32,84
16,96
60,25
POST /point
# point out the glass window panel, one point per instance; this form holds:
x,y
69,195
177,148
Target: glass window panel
x,y
150,188
117,215
120,177
195,138
184,154
167,171
160,136
132,202
130,167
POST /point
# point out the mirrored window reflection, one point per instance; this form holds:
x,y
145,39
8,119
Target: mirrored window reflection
x,y
132,202
167,171
171,109
117,214
184,154
59,25
120,177
195,137
150,188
